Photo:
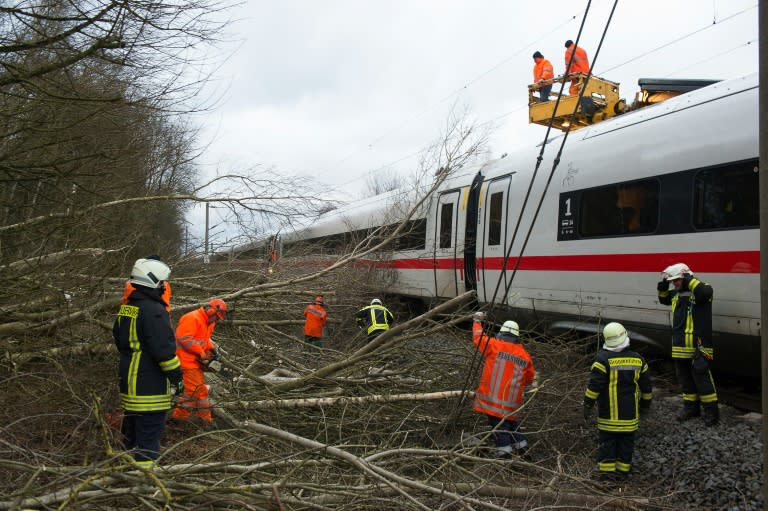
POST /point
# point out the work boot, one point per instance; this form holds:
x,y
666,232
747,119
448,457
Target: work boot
x,y
690,410
711,414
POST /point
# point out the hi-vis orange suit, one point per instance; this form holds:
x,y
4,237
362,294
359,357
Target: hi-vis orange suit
x,y
543,70
193,346
316,318
508,369
580,64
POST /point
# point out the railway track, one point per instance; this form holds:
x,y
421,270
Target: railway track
x,y
750,401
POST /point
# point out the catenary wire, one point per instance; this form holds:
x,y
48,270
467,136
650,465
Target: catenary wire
x,y
478,357
617,66
457,91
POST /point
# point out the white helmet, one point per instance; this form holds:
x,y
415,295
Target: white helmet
x,y
375,301
510,327
676,271
614,335
149,272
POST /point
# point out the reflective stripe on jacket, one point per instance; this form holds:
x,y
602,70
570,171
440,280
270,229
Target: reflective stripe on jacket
x,y
507,371
374,317
193,339
691,318
617,381
543,70
145,340
315,320
580,62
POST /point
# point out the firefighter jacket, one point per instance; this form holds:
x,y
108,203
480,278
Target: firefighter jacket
x,y
691,318
580,62
508,369
147,346
374,318
193,339
619,380
542,70
166,295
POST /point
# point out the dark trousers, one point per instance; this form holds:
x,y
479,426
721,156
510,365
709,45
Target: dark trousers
x,y
314,341
697,385
142,432
506,433
375,334
614,451
544,93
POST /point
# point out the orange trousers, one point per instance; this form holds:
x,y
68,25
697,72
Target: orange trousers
x,y
195,397
575,87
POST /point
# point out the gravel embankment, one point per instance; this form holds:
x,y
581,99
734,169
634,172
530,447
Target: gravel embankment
x,y
701,468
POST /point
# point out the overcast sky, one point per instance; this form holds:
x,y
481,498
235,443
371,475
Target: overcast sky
x,y
336,89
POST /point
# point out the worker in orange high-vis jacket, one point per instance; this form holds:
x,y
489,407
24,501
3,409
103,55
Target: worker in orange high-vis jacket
x,y
166,296
542,71
507,371
198,353
580,64
316,316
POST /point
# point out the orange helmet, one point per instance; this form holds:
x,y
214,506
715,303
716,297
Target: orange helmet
x,y
217,307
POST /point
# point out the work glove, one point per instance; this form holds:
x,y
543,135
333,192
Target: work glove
x,y
215,355
176,381
214,365
663,285
478,316
588,411
686,282
645,406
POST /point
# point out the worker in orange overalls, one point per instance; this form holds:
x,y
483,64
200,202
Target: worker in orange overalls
x,y
580,64
542,71
166,296
508,369
197,353
316,316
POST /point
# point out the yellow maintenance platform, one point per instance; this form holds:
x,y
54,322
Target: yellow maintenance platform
x,y
599,102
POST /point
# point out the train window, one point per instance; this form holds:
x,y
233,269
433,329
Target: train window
x,y
726,197
620,209
494,218
414,236
446,225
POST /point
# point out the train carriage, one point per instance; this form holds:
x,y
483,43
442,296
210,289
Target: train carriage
x,y
673,182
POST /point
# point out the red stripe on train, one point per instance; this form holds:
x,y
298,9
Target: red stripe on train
x,y
703,262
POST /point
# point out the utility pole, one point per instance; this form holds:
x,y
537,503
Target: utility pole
x,y
206,257
763,168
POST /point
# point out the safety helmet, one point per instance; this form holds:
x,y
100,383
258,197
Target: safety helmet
x,y
319,300
510,327
149,273
217,307
676,271
375,301
614,335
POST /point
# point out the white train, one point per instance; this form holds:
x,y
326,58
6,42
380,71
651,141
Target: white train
x,y
673,182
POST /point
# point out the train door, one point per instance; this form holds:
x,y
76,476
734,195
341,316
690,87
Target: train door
x,y
448,245
470,233
492,238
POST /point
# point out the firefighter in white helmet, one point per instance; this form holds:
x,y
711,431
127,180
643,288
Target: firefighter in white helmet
x,y
507,370
619,376
692,353
148,365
